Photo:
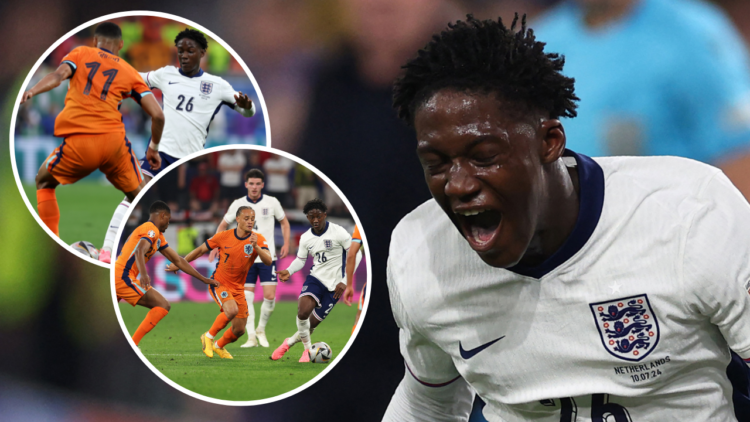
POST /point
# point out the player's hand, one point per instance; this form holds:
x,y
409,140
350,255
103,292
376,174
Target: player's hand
x,y
243,101
284,251
26,96
283,275
348,295
153,158
145,281
214,253
212,282
254,239
339,290
172,268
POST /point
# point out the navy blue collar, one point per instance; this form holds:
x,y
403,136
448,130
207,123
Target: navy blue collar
x,y
200,73
255,202
241,238
591,192
107,51
321,233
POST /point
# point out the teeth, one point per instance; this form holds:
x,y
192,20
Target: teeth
x,y
470,212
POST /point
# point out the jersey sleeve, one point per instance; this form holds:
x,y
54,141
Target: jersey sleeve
x,y
356,237
230,216
414,402
163,242
345,239
153,78
302,249
278,211
424,360
262,241
716,262
72,59
215,241
227,94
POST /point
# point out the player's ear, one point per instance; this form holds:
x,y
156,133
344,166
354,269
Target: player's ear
x,y
553,140
121,44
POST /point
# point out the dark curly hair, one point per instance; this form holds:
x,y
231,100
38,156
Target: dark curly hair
x,y
315,204
487,57
194,35
159,206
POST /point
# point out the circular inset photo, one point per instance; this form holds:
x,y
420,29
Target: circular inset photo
x,y
240,275
113,103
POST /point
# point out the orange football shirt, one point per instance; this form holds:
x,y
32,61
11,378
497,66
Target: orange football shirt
x,y
356,236
125,265
236,256
100,81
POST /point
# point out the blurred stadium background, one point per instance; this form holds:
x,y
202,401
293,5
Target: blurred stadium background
x,y
75,364
148,44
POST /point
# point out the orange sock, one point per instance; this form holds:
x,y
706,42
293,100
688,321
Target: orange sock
x,y
219,324
152,318
227,338
49,212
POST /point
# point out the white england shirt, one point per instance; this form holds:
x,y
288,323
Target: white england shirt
x,y
190,104
328,250
633,319
267,211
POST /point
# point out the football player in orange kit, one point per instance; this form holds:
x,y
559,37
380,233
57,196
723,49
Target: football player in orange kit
x,y
91,124
142,244
238,249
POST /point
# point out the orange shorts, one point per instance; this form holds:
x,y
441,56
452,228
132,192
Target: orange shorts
x,y
221,294
129,290
79,155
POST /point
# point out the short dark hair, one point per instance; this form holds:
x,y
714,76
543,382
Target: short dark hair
x,y
158,207
255,174
194,35
108,30
315,204
243,208
486,57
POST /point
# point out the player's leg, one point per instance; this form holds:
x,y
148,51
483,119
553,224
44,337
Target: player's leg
x,y
249,292
236,310
305,305
219,295
159,308
118,218
268,282
46,199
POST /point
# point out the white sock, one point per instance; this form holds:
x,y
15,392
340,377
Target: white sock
x,y
208,335
250,326
114,225
265,312
303,328
291,341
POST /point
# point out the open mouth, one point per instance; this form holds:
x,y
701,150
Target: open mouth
x,y
480,227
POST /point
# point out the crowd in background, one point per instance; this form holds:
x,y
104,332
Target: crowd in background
x,y
325,69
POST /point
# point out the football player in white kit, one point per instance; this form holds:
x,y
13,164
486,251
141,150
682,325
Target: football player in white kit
x,y
555,286
327,243
191,98
267,211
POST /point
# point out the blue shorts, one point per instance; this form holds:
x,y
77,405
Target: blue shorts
x,y
266,274
166,161
324,298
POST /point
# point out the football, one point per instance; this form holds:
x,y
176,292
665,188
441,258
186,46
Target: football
x,y
320,353
86,249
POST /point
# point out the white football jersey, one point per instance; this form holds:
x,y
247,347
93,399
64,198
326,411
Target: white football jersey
x,y
633,319
328,250
267,211
190,104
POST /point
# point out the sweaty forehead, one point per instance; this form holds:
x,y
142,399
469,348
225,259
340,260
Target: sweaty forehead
x,y
187,43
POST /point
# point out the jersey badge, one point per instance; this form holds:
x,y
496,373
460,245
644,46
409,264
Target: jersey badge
x,y
627,327
248,249
265,211
328,243
206,87
224,294
151,233
304,288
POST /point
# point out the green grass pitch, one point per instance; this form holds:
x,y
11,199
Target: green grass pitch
x,y
174,348
85,210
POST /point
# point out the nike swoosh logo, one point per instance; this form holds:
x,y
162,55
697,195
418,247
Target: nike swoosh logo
x,y
173,83
468,354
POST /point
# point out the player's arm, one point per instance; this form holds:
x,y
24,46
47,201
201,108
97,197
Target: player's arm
x,y
285,232
222,226
296,265
351,263
261,250
49,82
140,261
183,264
346,243
152,108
